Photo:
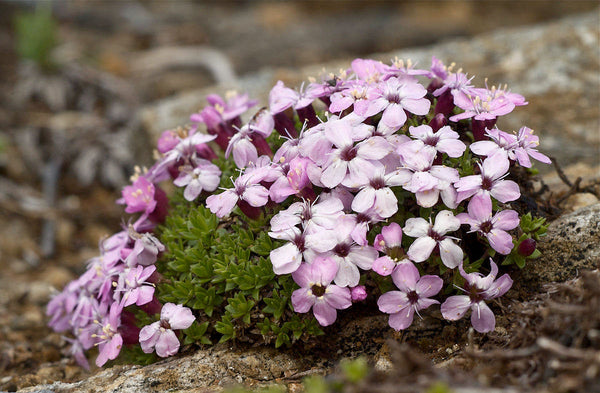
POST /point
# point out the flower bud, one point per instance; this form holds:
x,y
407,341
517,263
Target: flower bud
x,y
358,293
526,247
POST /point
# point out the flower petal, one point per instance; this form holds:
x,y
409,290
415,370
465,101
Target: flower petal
x,y
455,307
482,318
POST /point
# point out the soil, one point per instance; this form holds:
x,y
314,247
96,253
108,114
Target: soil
x,y
547,340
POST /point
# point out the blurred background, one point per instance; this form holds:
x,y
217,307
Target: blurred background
x,y
75,77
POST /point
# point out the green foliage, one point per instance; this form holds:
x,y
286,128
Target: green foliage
x,y
36,36
532,228
222,271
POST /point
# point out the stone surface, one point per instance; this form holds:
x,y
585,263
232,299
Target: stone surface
x,y
555,65
571,244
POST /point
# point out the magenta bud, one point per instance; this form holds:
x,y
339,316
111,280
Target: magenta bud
x,y
445,103
527,247
438,122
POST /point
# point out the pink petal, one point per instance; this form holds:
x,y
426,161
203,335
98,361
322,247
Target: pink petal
x,y
482,318
338,297
392,302
167,344
421,248
506,220
499,287
348,274
383,266
302,301
428,286
452,147
418,107
484,148
334,173
403,319
480,207
324,313
416,227
506,191
364,200
324,270
427,198
446,222
362,256
496,165
182,319
455,307
500,241
392,235
394,116
256,195
286,259
405,276
451,253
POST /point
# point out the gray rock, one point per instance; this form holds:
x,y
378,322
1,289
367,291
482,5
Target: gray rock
x,y
572,244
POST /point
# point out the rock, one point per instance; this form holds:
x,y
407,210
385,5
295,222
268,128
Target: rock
x,y
580,200
571,244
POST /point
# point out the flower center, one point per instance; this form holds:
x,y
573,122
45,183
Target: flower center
x,y
342,250
318,290
348,153
435,236
486,226
393,98
164,324
377,183
431,140
299,242
486,183
474,293
413,297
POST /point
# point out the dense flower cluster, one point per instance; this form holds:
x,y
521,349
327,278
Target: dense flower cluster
x,y
378,174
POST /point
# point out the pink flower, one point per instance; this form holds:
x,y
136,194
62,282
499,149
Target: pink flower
x,y
431,236
527,144
375,192
204,176
246,188
139,197
145,250
349,255
389,242
478,289
444,140
492,227
133,287
302,245
393,97
160,335
316,291
109,339
486,104
490,181
412,296
349,164
427,181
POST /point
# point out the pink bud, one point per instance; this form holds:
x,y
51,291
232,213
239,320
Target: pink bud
x,y
358,293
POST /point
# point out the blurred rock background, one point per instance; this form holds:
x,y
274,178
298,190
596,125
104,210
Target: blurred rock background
x,y
85,88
